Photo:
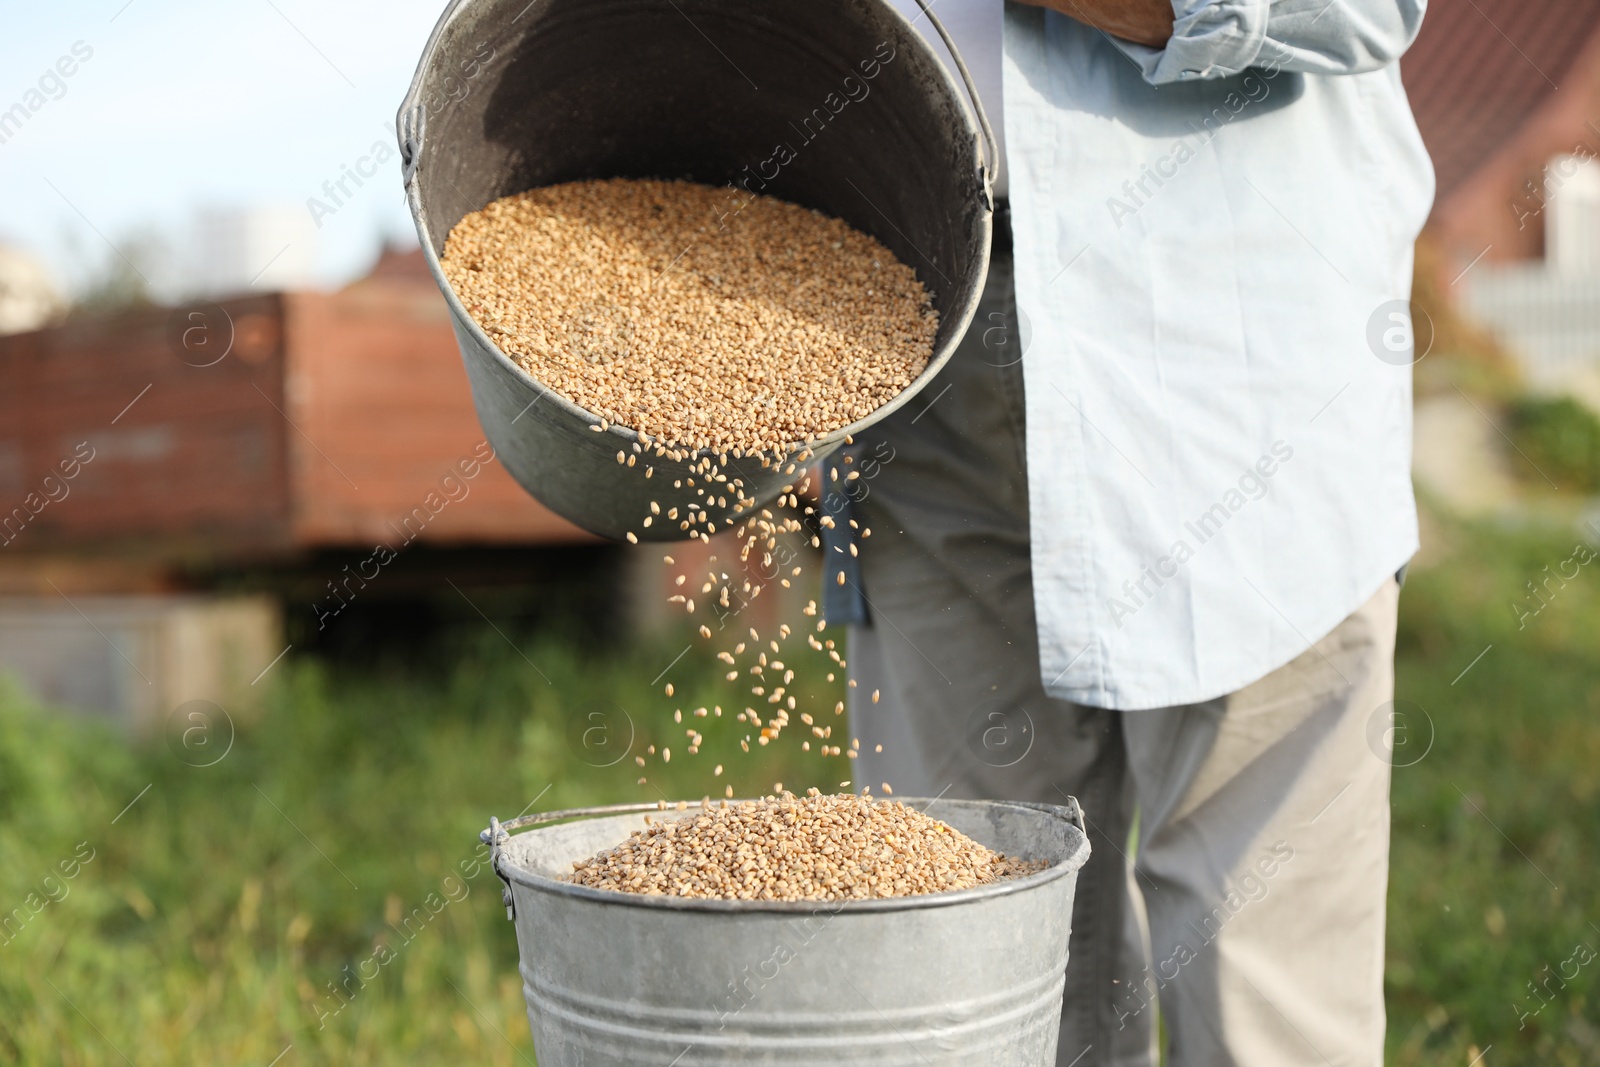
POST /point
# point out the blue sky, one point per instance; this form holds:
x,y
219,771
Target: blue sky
x,y
185,105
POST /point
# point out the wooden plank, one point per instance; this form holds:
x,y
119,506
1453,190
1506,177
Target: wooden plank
x,y
393,450
157,448
332,420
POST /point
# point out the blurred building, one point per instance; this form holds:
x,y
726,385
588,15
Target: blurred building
x,y
1547,310
29,298
1507,96
263,247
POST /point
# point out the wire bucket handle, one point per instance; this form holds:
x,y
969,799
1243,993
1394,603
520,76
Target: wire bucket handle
x,y
499,833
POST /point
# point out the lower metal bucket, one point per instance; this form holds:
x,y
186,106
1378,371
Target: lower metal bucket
x,y
839,106
972,977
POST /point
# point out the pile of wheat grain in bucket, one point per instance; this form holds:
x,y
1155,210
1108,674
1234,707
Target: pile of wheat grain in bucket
x,y
839,847
703,318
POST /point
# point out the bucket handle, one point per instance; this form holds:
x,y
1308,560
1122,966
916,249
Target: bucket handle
x,y
413,119
500,832
991,146
413,114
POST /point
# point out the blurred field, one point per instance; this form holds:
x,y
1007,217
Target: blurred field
x,y
1492,893
217,912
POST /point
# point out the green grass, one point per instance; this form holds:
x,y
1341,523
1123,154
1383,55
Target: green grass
x,y
1497,830
217,908
1557,438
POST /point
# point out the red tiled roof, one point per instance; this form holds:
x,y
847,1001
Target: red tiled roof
x,y
1480,69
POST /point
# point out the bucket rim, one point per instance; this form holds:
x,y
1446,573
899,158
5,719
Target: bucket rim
x,y
510,872
410,123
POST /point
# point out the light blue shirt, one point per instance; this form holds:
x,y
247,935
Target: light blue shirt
x,y
1213,262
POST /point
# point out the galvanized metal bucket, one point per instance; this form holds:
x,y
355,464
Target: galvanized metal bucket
x,y
967,977
512,94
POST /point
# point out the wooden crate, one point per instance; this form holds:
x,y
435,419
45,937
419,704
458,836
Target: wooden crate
x,y
338,420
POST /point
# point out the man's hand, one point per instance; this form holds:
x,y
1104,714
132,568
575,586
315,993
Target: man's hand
x,y
1140,21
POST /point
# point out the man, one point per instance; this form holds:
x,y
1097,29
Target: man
x,y
1140,542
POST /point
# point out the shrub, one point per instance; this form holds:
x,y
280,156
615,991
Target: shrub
x,y
1561,438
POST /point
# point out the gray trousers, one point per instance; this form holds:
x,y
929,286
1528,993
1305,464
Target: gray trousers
x,y
1250,913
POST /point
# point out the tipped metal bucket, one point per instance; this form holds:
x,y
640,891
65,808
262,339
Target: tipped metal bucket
x,y
839,106
961,978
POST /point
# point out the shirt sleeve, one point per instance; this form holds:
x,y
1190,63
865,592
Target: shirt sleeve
x,y
1220,38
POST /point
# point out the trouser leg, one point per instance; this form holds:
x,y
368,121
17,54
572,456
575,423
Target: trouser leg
x,y
1263,857
994,735
952,650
